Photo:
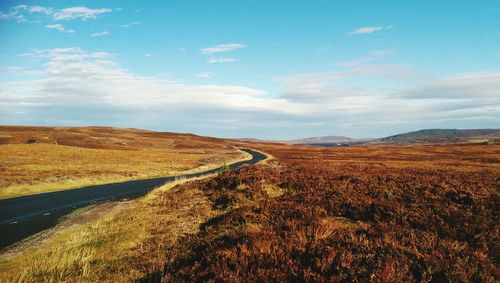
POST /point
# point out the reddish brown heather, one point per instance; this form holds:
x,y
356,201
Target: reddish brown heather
x,y
390,214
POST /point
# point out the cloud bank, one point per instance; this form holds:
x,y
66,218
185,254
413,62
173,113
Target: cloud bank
x,y
94,82
76,87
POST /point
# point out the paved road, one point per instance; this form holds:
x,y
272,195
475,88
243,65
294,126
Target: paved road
x,y
24,216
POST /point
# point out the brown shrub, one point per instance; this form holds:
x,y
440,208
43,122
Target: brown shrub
x,y
348,220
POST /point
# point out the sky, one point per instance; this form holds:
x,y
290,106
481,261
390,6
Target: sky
x,y
261,69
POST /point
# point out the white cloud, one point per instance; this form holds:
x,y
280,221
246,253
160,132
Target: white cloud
x,y
34,9
205,75
367,72
370,94
4,16
80,12
475,86
12,69
59,28
102,33
148,55
56,27
131,24
90,79
64,54
222,48
370,29
214,60
22,13
13,14
20,71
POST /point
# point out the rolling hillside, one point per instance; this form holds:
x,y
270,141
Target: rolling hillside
x,y
443,136
43,159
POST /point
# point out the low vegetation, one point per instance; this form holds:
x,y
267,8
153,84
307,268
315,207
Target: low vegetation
x,y
40,159
107,246
390,214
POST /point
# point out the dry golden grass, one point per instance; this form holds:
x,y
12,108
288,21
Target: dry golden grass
x,y
98,156
113,248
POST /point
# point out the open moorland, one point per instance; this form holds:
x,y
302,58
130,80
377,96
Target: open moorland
x,y
443,136
42,159
385,214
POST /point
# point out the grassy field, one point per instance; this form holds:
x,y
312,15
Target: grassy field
x,y
403,214
43,159
108,245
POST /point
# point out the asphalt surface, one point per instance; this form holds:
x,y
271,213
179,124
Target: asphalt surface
x,y
21,217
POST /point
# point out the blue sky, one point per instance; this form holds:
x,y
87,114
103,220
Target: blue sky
x,y
265,69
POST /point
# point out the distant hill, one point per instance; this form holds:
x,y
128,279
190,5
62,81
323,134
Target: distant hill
x,y
443,136
105,137
258,140
322,140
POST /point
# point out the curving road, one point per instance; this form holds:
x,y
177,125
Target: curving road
x,y
24,216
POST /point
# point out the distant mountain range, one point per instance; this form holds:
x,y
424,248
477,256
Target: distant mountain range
x,y
306,141
438,136
428,136
322,140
